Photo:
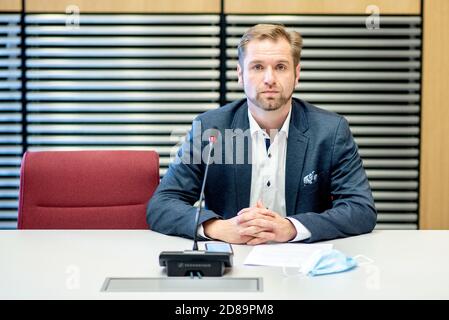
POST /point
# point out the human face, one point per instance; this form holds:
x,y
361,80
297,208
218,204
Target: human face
x,y
268,74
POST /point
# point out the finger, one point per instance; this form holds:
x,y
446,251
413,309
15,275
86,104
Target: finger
x,y
270,213
267,236
250,231
259,204
255,213
261,223
243,211
245,239
261,210
256,241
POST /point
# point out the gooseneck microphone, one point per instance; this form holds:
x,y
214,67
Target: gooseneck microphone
x,y
197,262
212,140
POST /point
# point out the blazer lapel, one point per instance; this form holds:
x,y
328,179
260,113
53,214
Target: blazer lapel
x,y
242,171
296,152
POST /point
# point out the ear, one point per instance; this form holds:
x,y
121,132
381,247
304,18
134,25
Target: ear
x,y
240,73
298,70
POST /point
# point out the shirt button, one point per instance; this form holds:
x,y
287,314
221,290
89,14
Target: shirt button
x,y
269,155
268,184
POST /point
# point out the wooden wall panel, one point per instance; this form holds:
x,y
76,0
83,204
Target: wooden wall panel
x,y
434,174
10,5
127,6
321,6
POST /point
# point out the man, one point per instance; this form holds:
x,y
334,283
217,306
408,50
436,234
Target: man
x,y
303,179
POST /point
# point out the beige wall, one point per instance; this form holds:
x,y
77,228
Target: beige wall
x,y
231,6
434,173
10,5
126,6
322,6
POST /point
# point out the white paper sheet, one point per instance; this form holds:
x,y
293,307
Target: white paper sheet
x,y
295,255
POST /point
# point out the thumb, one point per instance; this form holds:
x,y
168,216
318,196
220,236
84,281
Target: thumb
x,y
259,204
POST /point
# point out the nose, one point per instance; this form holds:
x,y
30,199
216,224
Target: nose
x,y
269,78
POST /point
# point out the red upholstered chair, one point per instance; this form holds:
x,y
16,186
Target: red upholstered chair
x,y
86,189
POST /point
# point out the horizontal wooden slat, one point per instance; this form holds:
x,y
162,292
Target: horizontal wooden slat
x,y
118,85
371,108
390,163
8,214
401,195
125,19
349,53
340,31
397,206
100,140
122,63
349,75
124,96
159,149
344,97
9,183
119,107
12,150
346,86
329,20
394,185
111,118
119,41
93,129
123,30
395,217
391,174
120,74
120,52
8,225
9,172
349,43
396,226
10,161
389,153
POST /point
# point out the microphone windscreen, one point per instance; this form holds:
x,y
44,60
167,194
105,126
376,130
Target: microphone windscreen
x,y
214,134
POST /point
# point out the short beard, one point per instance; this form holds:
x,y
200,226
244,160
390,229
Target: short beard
x,y
271,104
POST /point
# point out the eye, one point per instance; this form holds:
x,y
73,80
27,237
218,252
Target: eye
x,y
257,67
281,67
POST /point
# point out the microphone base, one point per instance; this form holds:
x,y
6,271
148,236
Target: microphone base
x,y
186,263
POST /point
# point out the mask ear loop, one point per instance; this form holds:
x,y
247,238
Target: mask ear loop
x,y
362,260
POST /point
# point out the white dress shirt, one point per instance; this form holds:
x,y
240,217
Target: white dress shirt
x,y
268,172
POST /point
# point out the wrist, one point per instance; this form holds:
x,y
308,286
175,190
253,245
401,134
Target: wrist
x,y
291,231
209,227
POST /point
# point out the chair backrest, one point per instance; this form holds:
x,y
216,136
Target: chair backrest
x,y
86,189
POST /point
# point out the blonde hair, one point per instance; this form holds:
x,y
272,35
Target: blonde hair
x,y
273,32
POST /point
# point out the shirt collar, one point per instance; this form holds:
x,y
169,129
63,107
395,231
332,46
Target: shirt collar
x,y
254,126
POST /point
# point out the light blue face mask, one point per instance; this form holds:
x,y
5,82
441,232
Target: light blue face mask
x,y
329,261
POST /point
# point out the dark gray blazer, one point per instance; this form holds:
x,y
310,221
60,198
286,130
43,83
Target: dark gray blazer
x,y
326,187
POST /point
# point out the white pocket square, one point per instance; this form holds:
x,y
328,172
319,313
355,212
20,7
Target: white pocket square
x,y
310,178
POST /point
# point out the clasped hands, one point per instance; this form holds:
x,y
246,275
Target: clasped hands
x,y
253,225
